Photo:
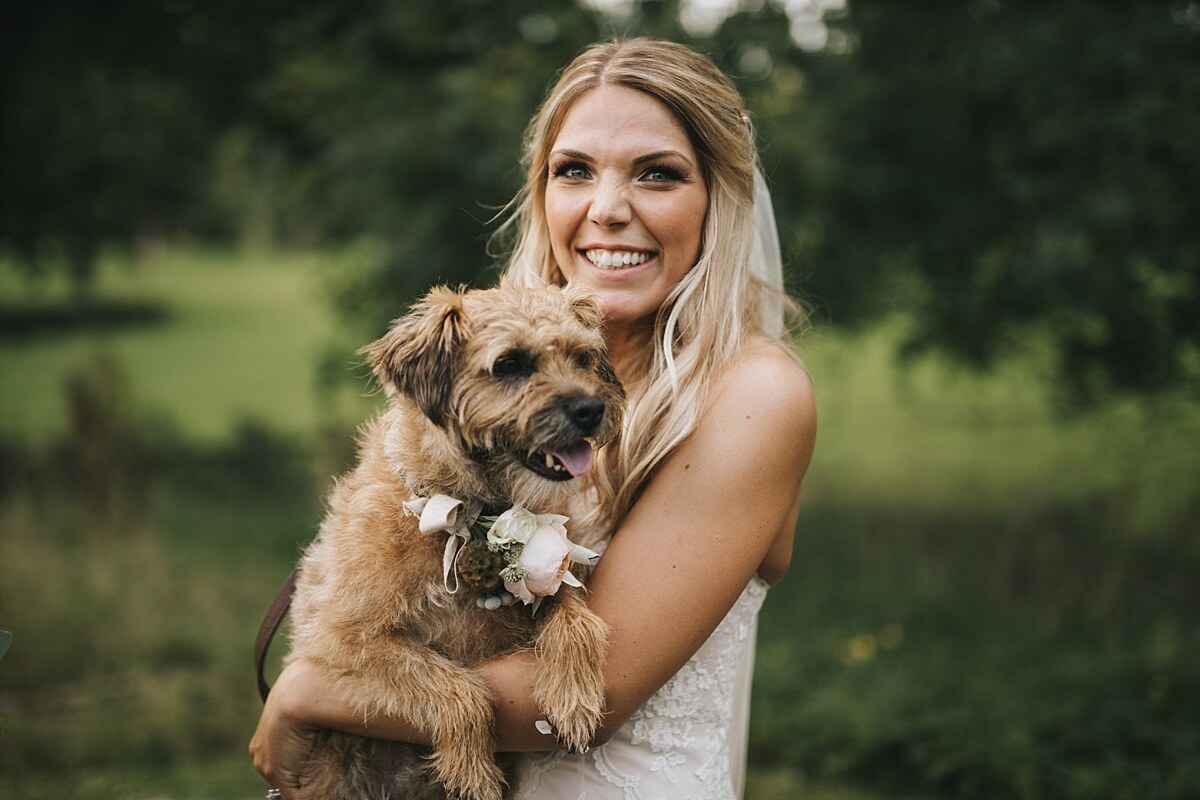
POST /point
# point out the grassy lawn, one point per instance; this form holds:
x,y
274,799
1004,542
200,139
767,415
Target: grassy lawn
x,y
238,340
989,599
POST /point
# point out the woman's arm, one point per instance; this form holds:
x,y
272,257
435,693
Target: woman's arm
x,y
693,540
680,559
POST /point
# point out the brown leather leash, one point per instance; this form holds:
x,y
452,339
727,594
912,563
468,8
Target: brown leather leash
x,y
270,625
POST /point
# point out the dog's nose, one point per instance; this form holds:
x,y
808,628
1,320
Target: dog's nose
x,y
585,412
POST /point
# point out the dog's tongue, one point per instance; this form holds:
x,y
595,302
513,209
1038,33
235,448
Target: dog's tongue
x,y
576,459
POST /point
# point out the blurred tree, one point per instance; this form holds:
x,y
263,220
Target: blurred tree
x,y
110,111
756,49
993,168
996,167
402,124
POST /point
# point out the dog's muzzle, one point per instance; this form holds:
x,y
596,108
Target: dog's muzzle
x,y
568,453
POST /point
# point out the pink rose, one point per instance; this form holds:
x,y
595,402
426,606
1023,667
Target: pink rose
x,y
544,560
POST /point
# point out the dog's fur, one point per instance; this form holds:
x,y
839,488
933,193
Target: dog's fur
x,y
371,604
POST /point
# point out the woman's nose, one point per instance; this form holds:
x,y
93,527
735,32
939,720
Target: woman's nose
x,y
610,205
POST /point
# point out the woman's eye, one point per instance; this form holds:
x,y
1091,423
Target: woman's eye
x,y
662,175
571,170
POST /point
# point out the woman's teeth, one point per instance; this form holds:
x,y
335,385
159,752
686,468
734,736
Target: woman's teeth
x,y
616,258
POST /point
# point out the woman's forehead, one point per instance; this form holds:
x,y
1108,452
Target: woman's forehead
x,y
618,117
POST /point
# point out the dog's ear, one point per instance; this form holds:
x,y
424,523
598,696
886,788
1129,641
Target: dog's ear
x,y
417,355
584,306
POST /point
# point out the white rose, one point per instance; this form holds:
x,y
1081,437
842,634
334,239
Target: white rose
x,y
514,526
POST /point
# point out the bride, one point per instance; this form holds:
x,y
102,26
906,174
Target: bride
x,y
642,184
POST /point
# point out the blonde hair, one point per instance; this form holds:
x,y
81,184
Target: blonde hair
x,y
718,304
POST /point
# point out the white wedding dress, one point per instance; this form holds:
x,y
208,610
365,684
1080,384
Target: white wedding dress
x,y
688,742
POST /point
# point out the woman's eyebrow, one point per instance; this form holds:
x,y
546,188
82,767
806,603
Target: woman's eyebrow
x,y
579,155
655,156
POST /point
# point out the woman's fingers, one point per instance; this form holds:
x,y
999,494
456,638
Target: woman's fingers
x,y
281,743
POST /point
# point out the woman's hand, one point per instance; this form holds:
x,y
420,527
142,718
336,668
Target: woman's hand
x,y
282,742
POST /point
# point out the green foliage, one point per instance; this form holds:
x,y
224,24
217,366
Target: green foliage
x,y
986,600
1018,687
992,168
402,124
132,641
997,166
110,114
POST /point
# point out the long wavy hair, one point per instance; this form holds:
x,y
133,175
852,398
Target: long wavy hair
x,y
717,305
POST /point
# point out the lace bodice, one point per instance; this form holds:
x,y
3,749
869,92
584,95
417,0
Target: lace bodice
x,y
688,742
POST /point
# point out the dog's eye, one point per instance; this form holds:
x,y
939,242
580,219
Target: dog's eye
x,y
517,364
583,360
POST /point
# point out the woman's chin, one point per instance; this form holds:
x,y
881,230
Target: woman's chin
x,y
623,311
625,297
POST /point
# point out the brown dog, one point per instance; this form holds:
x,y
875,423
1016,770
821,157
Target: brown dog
x,y
495,398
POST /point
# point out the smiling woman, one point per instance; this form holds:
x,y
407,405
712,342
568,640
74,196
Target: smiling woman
x,y
641,188
625,201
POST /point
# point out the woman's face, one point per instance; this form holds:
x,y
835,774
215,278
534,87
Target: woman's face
x,y
625,201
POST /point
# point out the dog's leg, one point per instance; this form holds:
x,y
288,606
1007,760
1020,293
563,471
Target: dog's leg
x,y
449,701
569,685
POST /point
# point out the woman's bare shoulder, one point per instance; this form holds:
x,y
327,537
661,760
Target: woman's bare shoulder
x,y
756,435
768,381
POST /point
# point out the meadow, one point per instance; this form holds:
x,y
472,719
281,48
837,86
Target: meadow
x,y
992,596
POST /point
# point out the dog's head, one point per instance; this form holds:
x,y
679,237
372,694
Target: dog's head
x,y
516,380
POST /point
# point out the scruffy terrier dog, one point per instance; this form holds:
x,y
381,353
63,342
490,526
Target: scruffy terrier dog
x,y
496,398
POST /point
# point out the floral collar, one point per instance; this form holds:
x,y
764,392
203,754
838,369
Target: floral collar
x,y
528,554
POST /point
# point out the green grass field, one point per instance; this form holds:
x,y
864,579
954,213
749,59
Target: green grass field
x,y
989,599
239,341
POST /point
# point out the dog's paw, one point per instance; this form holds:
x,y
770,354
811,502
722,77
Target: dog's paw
x,y
570,692
468,775
569,686
574,715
